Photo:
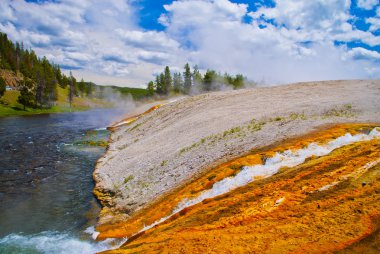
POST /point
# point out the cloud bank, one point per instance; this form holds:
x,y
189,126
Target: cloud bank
x,y
276,41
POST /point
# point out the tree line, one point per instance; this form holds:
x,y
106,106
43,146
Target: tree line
x,y
40,78
192,81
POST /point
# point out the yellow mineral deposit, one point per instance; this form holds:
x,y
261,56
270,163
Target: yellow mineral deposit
x,y
326,203
131,119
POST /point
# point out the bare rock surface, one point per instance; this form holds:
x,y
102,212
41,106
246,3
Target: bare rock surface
x,y
169,146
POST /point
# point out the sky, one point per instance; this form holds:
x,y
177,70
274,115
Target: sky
x,y
128,42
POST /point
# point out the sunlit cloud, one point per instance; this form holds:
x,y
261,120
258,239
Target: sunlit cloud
x,y
276,41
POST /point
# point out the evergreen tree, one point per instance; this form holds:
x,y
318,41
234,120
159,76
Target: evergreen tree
x,y
26,94
208,80
46,76
162,82
2,86
187,79
158,85
238,81
70,95
89,89
168,82
197,77
40,89
65,82
211,81
81,87
151,88
177,82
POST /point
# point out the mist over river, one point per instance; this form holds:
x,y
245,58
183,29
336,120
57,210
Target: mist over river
x,y
46,167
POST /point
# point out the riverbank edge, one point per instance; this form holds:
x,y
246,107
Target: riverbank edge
x,y
141,110
53,110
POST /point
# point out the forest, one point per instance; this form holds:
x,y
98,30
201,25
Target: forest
x,y
39,78
193,82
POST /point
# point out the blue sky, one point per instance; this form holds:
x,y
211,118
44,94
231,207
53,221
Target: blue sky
x,y
127,42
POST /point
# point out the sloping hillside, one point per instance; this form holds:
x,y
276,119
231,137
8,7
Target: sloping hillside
x,y
10,107
170,147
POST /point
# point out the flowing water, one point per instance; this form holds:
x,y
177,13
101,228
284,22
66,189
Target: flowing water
x,y
46,200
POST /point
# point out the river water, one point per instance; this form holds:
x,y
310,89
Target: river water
x,y
46,166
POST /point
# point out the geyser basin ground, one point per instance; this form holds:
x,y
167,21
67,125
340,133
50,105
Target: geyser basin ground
x,y
165,148
327,203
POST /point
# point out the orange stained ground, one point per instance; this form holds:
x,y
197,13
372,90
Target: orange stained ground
x,y
327,204
131,119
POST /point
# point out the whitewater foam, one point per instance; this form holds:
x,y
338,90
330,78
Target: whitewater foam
x,y
50,242
91,231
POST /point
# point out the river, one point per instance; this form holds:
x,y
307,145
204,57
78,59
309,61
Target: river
x,y
46,166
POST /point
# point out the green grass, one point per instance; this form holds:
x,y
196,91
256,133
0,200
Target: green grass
x,y
341,111
137,93
10,107
18,111
129,178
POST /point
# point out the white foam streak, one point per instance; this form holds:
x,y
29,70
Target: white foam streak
x,y
287,158
272,165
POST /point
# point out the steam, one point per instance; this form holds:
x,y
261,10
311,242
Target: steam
x,y
117,99
100,118
271,166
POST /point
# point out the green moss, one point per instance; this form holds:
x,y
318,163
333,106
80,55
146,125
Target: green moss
x,y
255,125
295,116
211,177
342,111
135,127
129,178
278,118
100,143
235,167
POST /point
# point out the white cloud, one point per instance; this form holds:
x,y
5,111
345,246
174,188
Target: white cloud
x,y
317,14
148,40
367,4
86,35
294,41
299,47
363,54
374,22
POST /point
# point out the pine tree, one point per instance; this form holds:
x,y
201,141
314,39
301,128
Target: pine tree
x,y
81,87
177,82
3,86
208,80
71,89
46,76
89,89
197,77
162,82
167,81
187,79
158,85
26,95
150,88
40,88
238,81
